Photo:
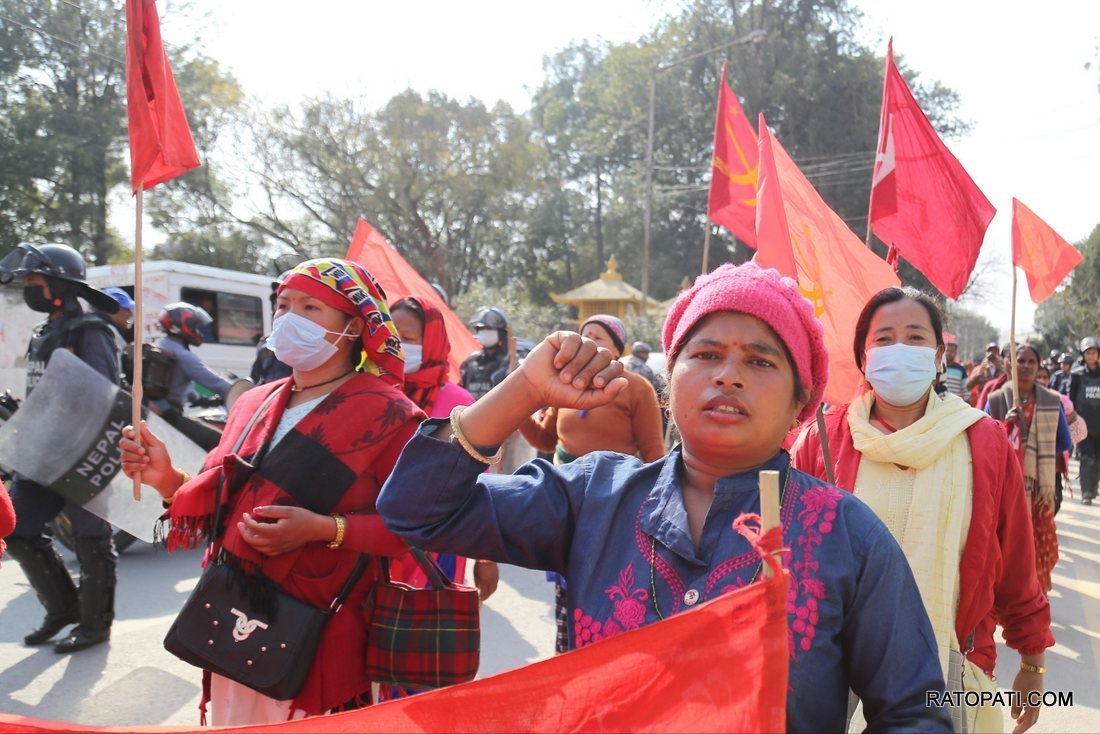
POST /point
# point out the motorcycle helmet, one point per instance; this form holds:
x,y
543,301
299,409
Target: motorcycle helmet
x,y
190,322
1089,342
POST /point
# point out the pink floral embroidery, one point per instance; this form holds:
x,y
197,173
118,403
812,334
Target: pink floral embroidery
x,y
629,614
817,516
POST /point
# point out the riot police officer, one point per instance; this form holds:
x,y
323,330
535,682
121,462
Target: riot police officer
x,y
53,277
483,370
1085,393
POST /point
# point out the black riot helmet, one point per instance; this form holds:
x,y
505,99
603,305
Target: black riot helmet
x,y
489,317
62,266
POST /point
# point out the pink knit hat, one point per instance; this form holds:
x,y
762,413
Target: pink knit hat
x,y
770,297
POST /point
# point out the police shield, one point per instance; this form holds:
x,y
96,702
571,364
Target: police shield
x,y
65,436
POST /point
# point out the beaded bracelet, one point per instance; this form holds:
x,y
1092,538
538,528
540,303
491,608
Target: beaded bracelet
x,y
341,526
1032,668
456,431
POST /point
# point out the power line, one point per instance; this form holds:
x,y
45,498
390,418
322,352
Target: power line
x,y
59,39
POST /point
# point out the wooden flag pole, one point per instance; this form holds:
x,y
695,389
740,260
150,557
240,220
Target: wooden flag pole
x,y
769,507
823,437
1012,344
139,333
706,246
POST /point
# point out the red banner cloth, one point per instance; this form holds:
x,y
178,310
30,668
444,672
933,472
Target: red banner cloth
x,y
161,147
399,279
800,236
732,198
720,667
922,200
1040,252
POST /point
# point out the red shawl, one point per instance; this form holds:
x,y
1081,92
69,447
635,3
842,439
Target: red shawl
x,y
334,460
423,386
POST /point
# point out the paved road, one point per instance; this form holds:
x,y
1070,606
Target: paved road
x,y
134,681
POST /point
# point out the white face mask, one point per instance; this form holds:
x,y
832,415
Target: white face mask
x,y
487,337
300,343
901,374
414,356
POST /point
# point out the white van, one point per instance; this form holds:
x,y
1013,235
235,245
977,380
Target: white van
x,y
238,302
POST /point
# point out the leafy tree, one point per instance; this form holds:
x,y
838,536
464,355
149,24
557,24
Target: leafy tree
x,y
972,331
450,184
62,147
63,144
819,89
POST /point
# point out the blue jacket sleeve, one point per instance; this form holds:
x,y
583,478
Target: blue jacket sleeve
x,y
889,646
440,499
1064,442
198,372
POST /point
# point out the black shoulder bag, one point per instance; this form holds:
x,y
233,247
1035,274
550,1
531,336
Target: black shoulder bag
x,y
220,630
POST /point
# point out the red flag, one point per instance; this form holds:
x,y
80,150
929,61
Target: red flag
x,y
732,199
671,676
399,279
923,203
800,236
1040,252
161,147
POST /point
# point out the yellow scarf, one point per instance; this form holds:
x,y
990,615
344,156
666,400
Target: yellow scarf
x,y
937,448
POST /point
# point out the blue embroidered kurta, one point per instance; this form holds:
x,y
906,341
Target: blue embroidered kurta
x,y
617,530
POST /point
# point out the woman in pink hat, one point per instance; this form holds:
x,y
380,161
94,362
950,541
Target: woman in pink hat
x,y
640,542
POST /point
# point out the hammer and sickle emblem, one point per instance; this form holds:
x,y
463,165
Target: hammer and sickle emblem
x,y
245,626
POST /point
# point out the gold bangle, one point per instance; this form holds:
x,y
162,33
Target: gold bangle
x,y
341,526
456,431
1032,668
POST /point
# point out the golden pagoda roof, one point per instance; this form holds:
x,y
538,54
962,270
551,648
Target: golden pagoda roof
x,y
610,286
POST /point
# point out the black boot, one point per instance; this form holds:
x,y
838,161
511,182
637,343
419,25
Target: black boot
x,y
52,583
97,594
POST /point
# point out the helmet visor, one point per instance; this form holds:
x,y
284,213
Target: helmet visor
x,y
22,260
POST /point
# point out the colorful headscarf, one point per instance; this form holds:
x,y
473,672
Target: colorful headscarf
x,y
423,386
348,286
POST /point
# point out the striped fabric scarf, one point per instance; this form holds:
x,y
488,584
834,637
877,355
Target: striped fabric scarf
x,y
1039,440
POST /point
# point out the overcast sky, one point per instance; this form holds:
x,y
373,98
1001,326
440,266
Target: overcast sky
x,y
1018,68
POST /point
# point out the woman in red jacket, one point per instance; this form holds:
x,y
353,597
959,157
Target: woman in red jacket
x,y
944,479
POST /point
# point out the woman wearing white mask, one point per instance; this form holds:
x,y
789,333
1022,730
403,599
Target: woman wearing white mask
x,y
945,480
427,350
314,450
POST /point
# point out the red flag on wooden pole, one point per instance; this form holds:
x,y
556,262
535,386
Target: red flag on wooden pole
x,y
801,237
161,147
1040,252
923,203
732,198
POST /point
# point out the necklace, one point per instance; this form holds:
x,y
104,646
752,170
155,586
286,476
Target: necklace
x,y
653,556
295,388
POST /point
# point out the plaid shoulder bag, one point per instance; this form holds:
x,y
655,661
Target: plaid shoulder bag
x,y
422,638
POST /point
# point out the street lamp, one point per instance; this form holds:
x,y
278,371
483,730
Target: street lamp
x,y
754,36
